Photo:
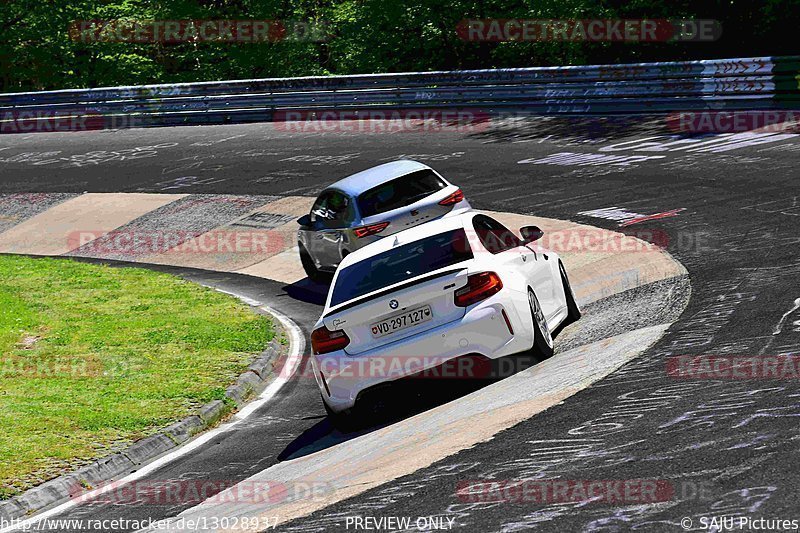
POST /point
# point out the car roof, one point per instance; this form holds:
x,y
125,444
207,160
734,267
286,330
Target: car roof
x,y
406,236
371,177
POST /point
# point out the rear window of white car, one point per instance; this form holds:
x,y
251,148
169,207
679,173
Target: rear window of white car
x,y
401,263
399,192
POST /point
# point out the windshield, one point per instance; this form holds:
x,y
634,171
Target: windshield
x,y
401,263
402,191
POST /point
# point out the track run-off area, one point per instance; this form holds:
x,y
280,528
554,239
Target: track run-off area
x,y
605,407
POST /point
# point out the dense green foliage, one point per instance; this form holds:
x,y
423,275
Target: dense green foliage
x,y
36,51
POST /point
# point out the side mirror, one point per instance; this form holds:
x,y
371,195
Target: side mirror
x,y
304,220
530,234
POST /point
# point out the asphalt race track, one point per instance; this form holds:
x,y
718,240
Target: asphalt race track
x,y
728,204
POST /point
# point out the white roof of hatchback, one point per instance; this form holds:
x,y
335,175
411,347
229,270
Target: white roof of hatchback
x,y
372,177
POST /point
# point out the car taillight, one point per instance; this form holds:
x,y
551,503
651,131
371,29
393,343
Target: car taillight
x,y
478,287
372,229
453,199
324,340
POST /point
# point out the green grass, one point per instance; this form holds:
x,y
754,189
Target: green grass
x,y
95,357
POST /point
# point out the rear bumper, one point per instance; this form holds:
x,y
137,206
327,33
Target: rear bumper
x,y
482,330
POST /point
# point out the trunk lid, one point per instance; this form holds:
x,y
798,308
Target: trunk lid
x,y
435,291
419,212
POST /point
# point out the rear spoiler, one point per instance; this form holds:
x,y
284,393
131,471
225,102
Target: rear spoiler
x,y
375,295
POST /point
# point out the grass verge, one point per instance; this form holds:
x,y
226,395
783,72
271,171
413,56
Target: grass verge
x,y
94,358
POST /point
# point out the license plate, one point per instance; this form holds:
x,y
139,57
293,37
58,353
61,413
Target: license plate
x,y
401,321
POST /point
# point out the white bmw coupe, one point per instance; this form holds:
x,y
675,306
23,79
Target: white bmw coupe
x,y
456,286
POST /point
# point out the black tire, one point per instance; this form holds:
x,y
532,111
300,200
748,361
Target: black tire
x,y
343,421
542,339
310,268
573,310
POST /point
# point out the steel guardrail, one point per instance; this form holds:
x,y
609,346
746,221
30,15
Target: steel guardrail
x,y
743,83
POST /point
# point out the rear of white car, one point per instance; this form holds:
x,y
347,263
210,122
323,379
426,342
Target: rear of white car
x,y
370,205
413,301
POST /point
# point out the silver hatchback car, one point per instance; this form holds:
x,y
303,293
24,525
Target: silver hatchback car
x,y
368,206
